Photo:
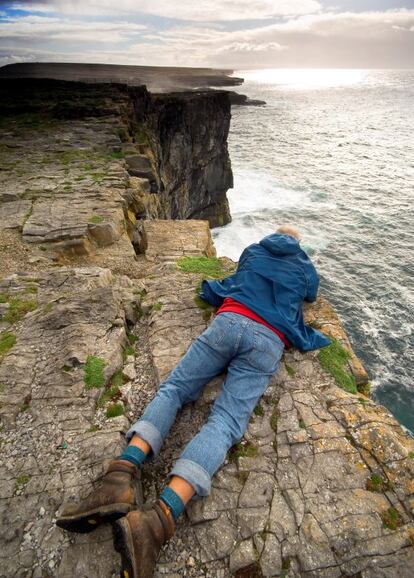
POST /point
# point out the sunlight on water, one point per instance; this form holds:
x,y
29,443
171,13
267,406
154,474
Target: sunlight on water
x,y
306,78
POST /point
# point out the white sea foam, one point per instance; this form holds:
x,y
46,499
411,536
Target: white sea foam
x,y
253,191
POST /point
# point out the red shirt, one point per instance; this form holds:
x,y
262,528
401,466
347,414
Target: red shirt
x,y
231,306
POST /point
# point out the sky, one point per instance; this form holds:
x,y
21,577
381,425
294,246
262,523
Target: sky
x,y
235,34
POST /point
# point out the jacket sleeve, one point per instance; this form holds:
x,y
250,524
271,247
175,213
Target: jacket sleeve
x,y
208,293
312,281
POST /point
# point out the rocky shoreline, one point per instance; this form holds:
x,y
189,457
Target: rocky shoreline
x,y
103,190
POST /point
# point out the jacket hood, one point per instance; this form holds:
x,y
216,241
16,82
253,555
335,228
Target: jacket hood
x,y
279,244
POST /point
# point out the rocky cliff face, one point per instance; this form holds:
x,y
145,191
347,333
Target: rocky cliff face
x,y
189,143
322,483
176,146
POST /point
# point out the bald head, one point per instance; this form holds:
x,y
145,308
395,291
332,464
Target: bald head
x,y
289,230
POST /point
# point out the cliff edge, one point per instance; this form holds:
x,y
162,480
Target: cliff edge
x,y
98,301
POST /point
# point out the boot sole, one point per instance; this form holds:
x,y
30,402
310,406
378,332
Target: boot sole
x,y
88,521
123,544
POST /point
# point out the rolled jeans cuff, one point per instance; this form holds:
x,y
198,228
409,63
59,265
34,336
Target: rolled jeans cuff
x,y
148,432
194,474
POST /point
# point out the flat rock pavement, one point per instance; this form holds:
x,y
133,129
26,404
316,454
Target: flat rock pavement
x,y
320,486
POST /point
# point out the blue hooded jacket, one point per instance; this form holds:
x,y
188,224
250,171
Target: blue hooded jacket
x,y
273,278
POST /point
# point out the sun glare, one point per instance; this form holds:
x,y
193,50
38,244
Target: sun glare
x,y
305,78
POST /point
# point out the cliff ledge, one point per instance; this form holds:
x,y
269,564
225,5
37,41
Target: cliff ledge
x,y
97,184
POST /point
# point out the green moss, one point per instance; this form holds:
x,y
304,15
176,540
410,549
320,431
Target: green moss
x,y
43,247
291,370
207,266
98,176
7,341
109,394
334,359
4,297
114,410
116,155
93,370
25,406
32,289
128,350
156,306
274,419
376,483
302,424
48,307
258,410
18,309
96,219
22,480
365,388
132,338
2,387
117,379
391,519
243,449
411,455
207,309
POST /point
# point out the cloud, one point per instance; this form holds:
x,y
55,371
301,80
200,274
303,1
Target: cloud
x,y
381,39
38,28
211,10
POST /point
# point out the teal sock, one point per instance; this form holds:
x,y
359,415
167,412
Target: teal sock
x,y
134,455
173,501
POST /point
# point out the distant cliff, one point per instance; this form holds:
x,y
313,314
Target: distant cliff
x,y
176,141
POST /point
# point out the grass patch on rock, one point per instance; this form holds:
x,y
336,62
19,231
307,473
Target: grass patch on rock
x,y
114,410
116,155
376,483
334,359
96,219
391,519
128,351
108,395
94,372
21,481
258,410
112,392
7,341
274,418
243,449
291,370
18,308
207,266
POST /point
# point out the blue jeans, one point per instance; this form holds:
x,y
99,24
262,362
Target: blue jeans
x,y
251,353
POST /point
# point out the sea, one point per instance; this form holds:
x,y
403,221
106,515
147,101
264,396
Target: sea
x,y
332,152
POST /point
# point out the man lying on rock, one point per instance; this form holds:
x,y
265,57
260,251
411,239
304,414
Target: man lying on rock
x,y
260,313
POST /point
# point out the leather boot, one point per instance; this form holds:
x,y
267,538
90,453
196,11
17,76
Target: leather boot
x,y
114,498
138,537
